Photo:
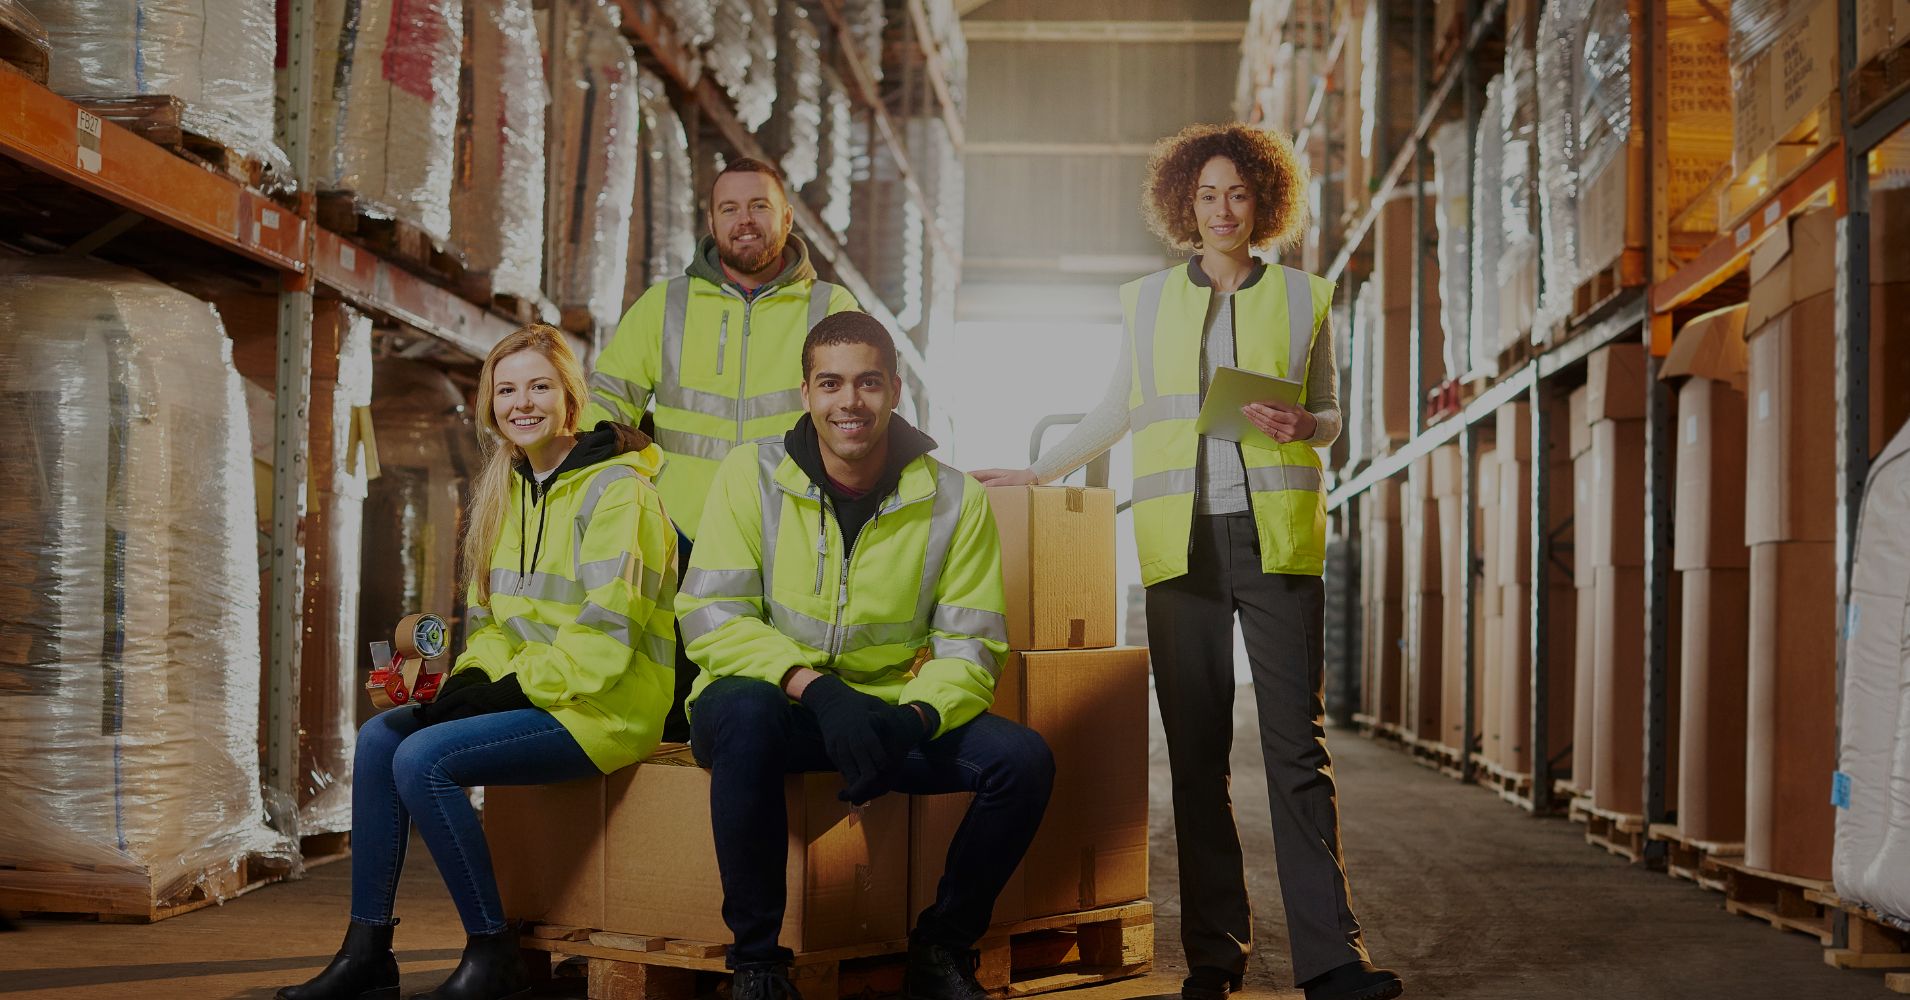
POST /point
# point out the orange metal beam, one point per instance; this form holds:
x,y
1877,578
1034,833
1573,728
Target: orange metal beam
x,y
373,283
51,134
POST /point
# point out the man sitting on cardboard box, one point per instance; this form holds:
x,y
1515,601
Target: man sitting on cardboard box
x,y
844,603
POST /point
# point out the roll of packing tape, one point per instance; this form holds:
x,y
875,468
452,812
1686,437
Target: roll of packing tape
x,y
423,636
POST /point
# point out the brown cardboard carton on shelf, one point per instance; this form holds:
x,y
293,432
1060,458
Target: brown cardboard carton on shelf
x,y
547,850
1584,688
1708,516
1615,383
1394,395
1796,261
1512,548
847,876
1512,427
1384,499
1425,686
1618,627
1776,88
1584,525
1790,463
1617,513
1448,471
1711,347
1057,565
1452,631
1889,359
1712,660
1792,709
1515,705
1580,428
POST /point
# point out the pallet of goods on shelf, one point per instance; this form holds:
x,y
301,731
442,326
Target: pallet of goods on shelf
x,y
1488,237
741,56
831,193
794,129
497,195
1783,73
664,223
593,142
23,41
1514,273
1452,218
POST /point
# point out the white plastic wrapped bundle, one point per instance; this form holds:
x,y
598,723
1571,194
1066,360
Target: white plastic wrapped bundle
x,y
1488,233
695,20
384,130
670,201
832,201
593,154
214,55
1556,66
796,120
1370,70
911,274
497,205
758,93
1871,861
1452,160
1367,430
1517,265
867,20
129,600
1601,92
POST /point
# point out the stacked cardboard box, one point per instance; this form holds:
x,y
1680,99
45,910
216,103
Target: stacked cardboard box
x,y
1066,680
1713,564
1488,642
1382,585
1513,553
1425,610
1394,397
1783,69
1448,480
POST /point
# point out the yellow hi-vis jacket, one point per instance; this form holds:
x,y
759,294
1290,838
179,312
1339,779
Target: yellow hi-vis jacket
x,y
586,623
1276,319
770,588
722,370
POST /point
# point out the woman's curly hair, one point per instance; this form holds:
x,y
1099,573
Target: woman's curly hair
x,y
1266,162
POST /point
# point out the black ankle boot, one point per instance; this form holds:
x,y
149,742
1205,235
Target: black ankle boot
x,y
1206,982
491,969
762,981
1355,981
938,972
363,969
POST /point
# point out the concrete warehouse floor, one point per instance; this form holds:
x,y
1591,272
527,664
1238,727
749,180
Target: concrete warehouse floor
x,y
1470,899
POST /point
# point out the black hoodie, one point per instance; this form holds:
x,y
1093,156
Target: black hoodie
x,y
905,445
606,440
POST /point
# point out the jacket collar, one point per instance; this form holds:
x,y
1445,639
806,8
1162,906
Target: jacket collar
x,y
916,480
708,265
1200,278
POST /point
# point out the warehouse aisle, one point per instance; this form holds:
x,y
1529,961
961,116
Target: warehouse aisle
x,y
1468,898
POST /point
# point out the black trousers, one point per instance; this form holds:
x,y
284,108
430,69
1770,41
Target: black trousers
x,y
676,723
1190,635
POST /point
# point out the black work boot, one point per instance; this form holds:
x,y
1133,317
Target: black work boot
x,y
363,969
938,972
763,981
1205,982
1355,981
490,969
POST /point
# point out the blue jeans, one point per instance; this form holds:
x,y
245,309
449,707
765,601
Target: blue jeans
x,y
749,734
408,773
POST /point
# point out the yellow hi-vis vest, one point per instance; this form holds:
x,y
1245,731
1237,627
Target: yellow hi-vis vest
x,y
1275,319
723,371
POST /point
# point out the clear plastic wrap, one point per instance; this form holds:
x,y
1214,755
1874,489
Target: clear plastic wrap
x,y
427,448
669,201
1556,69
1452,213
593,154
497,203
1517,265
1601,89
1488,233
742,57
695,20
129,601
1757,24
214,55
29,47
385,127
866,21
795,123
833,196
1370,70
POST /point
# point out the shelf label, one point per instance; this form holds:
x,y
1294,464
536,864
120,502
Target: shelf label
x,y
1773,212
269,218
1691,430
86,141
1840,790
1743,234
347,257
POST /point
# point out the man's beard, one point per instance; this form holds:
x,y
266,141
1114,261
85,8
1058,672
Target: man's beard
x,y
767,254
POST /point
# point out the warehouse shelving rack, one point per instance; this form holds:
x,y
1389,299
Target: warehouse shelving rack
x,y
89,183
1646,314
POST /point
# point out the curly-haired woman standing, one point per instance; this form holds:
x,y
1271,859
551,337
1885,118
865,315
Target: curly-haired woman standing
x,y
1226,528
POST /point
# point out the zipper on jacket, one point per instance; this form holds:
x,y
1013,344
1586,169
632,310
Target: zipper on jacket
x,y
742,371
722,341
842,587
822,538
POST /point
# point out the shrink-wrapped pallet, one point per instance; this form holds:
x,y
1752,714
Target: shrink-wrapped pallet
x,y
1452,214
497,200
384,113
1488,236
1518,263
592,156
664,225
129,600
742,57
695,20
1555,66
1783,56
833,194
213,55
866,21
795,122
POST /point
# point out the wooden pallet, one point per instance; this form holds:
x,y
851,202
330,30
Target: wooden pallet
x,y
1883,77
1863,937
23,53
1517,356
1897,982
122,894
159,119
1017,960
1622,834
324,848
1605,286
393,239
1694,860
1790,156
1776,899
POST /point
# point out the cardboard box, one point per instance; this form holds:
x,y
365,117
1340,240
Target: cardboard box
x,y
1584,525
1790,484
1384,499
547,849
1584,688
1618,493
1386,630
1515,703
848,868
1796,261
1580,428
1512,548
1712,660
1425,686
1618,628
1889,361
1711,347
1774,90
1708,529
1615,383
1057,565
1448,471
1512,428
1792,708
1394,394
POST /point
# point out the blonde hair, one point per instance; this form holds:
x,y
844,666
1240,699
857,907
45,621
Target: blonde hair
x,y
491,494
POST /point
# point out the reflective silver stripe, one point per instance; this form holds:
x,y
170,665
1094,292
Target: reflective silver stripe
x,y
768,458
1163,484
595,574
699,582
588,509
693,445
610,623
1179,406
943,519
820,292
970,621
527,630
679,397
811,632
711,617
619,390
972,650
1277,478
873,676
1299,321
676,309
661,651
1147,308
862,636
479,615
537,586
772,404
607,401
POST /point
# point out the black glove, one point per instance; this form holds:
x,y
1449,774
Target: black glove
x,y
461,699
865,737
